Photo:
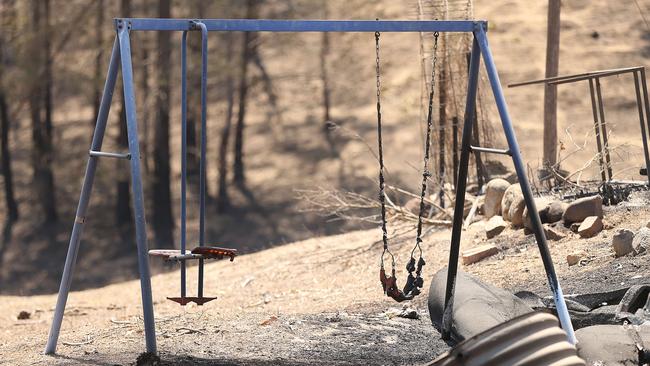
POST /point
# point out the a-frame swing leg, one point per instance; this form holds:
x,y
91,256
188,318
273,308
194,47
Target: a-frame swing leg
x,y
481,47
136,186
86,188
121,54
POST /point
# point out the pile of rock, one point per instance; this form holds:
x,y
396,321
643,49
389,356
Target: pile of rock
x,y
504,202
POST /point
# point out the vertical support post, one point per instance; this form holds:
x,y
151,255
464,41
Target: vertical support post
x,y
646,102
470,105
136,184
639,104
603,129
540,237
454,132
204,126
599,145
86,189
183,161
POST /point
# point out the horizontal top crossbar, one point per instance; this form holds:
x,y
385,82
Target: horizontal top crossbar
x,y
263,25
578,77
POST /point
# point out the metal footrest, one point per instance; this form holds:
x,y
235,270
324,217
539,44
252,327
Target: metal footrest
x,y
196,253
188,299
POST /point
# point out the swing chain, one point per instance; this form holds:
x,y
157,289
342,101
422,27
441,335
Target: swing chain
x,y
414,282
382,192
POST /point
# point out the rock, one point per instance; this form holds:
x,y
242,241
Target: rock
x,y
647,224
494,226
552,233
554,211
590,226
413,206
582,208
641,240
478,306
23,315
610,344
575,226
516,211
541,203
622,242
574,258
493,194
508,197
479,253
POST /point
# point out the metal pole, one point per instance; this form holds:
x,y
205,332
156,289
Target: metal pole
x,y
86,188
644,87
639,104
202,184
463,166
554,283
603,128
136,184
183,160
599,145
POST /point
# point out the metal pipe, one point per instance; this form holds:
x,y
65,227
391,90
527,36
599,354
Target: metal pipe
x,y
575,77
560,304
463,166
86,188
490,150
204,132
639,104
103,154
599,144
646,103
183,161
264,25
603,128
136,185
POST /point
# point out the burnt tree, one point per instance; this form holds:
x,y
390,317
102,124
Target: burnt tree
x,y
249,45
223,201
162,220
40,108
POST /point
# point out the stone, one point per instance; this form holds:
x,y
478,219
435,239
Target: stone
x,y
610,344
554,211
479,253
641,241
413,206
478,306
622,242
493,195
494,226
541,203
582,208
509,196
553,233
574,258
590,226
516,211
574,227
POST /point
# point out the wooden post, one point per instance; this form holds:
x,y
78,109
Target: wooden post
x,y
550,91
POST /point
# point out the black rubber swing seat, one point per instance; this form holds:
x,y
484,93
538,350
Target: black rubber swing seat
x,y
196,253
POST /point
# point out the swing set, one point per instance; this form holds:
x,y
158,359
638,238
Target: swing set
x,y
121,60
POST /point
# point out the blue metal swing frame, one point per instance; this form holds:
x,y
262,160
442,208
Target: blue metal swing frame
x,y
121,59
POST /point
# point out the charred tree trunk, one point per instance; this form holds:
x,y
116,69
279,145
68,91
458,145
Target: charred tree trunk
x,y
7,172
248,50
39,99
97,74
442,112
223,201
123,215
162,221
324,53
5,126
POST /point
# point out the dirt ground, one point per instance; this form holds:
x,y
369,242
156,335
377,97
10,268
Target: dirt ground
x,y
317,301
